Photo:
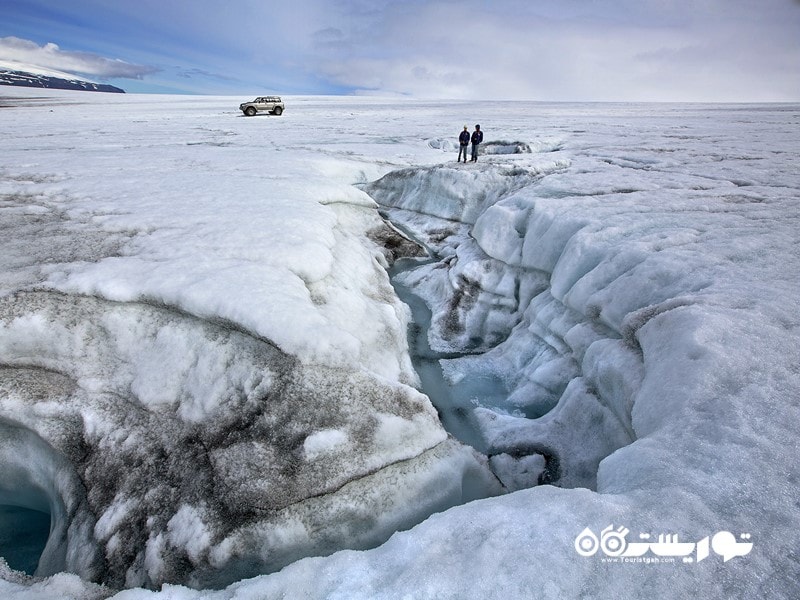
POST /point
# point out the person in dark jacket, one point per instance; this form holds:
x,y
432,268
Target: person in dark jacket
x,y
463,142
477,138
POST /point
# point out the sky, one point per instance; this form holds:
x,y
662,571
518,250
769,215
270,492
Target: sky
x,y
548,50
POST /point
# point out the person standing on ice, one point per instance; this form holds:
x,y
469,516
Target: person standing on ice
x,y
477,138
463,142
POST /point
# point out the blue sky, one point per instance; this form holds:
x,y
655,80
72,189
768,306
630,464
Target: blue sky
x,y
560,50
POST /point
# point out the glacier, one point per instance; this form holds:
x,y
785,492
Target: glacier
x,y
207,384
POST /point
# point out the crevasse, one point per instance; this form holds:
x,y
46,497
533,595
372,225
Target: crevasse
x,y
519,364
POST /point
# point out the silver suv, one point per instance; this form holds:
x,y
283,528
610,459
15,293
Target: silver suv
x,y
267,104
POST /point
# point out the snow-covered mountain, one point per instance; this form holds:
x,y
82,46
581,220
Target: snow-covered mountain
x,y
205,374
17,74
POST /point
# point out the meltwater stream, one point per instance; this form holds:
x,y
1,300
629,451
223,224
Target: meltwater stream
x,y
457,398
453,401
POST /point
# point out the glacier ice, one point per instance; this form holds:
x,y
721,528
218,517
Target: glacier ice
x,y
497,320
629,287
159,425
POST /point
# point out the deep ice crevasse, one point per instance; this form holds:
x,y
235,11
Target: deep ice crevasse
x,y
504,292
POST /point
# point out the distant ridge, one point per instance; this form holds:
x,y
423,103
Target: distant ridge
x,y
24,79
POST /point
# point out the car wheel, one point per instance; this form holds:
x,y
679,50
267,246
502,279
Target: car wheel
x,y
277,110
249,111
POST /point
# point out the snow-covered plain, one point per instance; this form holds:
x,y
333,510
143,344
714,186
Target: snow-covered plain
x,y
205,372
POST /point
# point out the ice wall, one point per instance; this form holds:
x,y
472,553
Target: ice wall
x,y
497,292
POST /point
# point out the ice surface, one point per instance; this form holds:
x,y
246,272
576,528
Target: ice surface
x,y
631,283
204,366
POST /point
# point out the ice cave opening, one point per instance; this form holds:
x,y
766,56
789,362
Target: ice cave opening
x,y
40,495
23,536
25,504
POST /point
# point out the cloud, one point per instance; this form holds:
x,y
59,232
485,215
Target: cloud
x,y
202,74
735,50
50,56
721,50
332,34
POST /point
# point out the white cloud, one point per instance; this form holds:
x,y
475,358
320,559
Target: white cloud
x,y
736,50
50,56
